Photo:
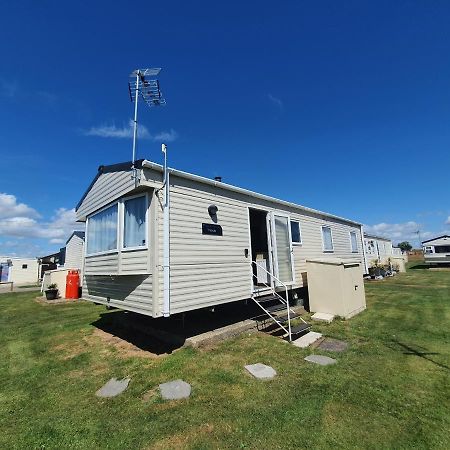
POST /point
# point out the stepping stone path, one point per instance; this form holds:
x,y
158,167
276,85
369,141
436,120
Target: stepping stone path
x,y
323,317
113,387
333,345
321,360
307,339
261,371
175,390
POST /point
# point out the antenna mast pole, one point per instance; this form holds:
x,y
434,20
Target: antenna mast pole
x,y
146,86
136,96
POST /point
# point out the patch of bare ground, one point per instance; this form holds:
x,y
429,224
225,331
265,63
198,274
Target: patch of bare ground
x,y
109,342
124,348
70,350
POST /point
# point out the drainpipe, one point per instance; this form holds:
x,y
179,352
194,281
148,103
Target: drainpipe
x,y
366,265
166,238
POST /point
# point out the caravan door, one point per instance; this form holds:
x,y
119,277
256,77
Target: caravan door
x,y
280,231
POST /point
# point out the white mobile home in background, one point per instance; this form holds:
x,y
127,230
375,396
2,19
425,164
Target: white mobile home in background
x,y
437,250
74,251
377,248
19,270
164,248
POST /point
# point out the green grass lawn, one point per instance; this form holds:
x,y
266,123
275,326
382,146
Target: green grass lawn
x,y
390,389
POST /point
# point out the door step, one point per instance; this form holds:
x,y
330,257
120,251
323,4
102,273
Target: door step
x,y
266,299
307,339
275,308
300,328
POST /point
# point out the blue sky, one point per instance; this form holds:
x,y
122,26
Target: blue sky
x,y
339,106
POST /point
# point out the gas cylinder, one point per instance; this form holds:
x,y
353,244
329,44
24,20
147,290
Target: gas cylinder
x,y
72,284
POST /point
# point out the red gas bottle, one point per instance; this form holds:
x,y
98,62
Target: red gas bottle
x,y
72,284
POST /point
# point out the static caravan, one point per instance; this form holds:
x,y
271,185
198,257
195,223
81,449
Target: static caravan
x,y
19,270
74,251
437,250
377,249
161,241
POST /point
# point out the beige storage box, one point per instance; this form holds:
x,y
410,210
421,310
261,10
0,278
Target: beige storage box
x,y
336,287
398,261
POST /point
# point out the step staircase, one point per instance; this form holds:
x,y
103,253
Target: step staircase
x,y
277,310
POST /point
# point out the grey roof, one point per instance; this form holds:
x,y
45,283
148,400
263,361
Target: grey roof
x,y
143,163
80,234
434,239
368,235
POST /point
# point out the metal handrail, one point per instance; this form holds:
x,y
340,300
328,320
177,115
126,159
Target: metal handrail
x,y
286,302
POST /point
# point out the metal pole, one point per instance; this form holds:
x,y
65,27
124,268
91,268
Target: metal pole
x,y
166,237
136,96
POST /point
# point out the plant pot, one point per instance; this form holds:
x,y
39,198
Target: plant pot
x,y
51,294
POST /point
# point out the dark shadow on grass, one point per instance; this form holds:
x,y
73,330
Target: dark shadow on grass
x,y
420,266
164,335
418,351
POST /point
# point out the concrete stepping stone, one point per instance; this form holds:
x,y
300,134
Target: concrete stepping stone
x,y
175,390
323,317
261,371
321,360
307,339
333,345
113,387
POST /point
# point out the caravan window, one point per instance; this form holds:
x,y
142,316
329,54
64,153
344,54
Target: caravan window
x,y
102,231
134,216
327,239
353,241
296,232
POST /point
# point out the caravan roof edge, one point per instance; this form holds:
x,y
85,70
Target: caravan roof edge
x,y
230,187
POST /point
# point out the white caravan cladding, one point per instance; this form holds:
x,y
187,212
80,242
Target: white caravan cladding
x,y
216,233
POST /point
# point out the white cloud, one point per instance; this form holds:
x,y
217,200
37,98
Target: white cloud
x,y
56,241
19,220
9,208
166,136
126,132
447,222
276,101
398,231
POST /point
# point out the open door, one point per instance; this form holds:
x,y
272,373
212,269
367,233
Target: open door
x,y
280,231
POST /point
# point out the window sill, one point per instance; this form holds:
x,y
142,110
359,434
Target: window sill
x,y
108,252
133,249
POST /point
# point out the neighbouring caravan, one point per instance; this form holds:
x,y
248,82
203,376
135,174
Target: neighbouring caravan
x,y
437,250
162,242
19,270
74,251
377,249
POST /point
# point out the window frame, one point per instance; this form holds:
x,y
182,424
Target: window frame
x,y
105,252
323,240
122,222
351,242
299,243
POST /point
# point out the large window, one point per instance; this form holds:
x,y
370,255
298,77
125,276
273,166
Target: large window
x,y
296,233
327,239
353,241
134,232
102,231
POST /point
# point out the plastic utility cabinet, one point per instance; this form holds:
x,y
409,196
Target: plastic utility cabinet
x,y
336,287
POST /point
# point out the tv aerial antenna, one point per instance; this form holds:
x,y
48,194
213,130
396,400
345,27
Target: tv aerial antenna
x,y
144,84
